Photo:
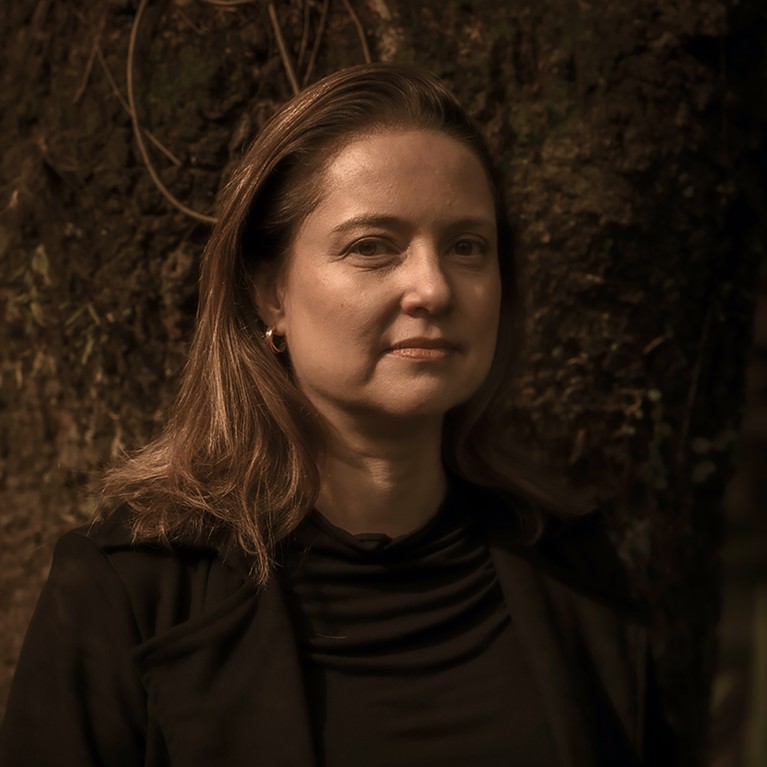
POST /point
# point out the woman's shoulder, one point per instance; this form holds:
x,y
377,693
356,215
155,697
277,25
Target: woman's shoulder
x,y
578,550
165,583
116,531
113,536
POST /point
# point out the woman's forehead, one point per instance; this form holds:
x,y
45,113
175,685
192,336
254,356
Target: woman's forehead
x,y
400,170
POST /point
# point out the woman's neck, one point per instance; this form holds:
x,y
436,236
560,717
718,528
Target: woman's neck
x,y
391,485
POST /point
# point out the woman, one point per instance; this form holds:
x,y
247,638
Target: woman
x,y
328,557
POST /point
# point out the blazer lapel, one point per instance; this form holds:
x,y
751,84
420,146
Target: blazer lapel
x,y
227,688
539,628
587,652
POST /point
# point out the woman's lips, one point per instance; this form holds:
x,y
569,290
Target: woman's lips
x,y
423,348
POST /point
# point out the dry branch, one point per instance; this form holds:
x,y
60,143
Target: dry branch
x,y
317,41
360,31
91,57
138,133
284,55
124,104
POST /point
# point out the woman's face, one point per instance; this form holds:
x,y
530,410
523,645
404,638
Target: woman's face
x,y
391,295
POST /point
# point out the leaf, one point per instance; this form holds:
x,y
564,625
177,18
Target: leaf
x,y
40,264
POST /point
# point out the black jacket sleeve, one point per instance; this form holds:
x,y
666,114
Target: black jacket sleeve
x,y
76,698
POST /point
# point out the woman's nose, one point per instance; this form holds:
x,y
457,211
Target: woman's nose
x,y
426,285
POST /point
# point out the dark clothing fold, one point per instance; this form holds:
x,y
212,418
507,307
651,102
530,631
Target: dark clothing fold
x,y
142,655
408,650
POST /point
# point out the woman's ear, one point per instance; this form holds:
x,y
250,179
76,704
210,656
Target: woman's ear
x,y
269,297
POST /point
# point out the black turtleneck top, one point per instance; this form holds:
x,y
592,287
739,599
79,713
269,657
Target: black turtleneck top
x,y
410,656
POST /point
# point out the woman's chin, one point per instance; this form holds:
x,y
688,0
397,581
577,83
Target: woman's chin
x,y
415,402
419,407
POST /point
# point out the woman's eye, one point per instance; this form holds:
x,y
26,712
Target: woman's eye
x,y
368,248
468,248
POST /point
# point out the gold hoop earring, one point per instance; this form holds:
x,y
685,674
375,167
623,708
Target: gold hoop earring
x,y
276,343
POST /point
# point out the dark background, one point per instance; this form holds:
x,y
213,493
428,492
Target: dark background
x,y
632,135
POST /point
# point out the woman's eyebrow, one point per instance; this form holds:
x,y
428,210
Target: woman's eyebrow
x,y
389,221
367,220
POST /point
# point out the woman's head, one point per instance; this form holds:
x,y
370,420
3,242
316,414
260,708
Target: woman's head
x,y
388,297
284,177
242,445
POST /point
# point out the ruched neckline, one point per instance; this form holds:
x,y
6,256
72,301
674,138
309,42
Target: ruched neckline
x,y
378,604
409,652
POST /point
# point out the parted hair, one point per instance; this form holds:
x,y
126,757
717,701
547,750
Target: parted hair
x,y
240,448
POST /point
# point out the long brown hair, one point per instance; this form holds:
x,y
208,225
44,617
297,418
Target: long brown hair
x,y
239,451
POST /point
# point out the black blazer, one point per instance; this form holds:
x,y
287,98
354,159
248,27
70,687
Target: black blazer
x,y
148,656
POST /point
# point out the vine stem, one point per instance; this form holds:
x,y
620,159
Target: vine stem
x,y
304,36
91,57
138,132
124,104
284,55
360,31
317,41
